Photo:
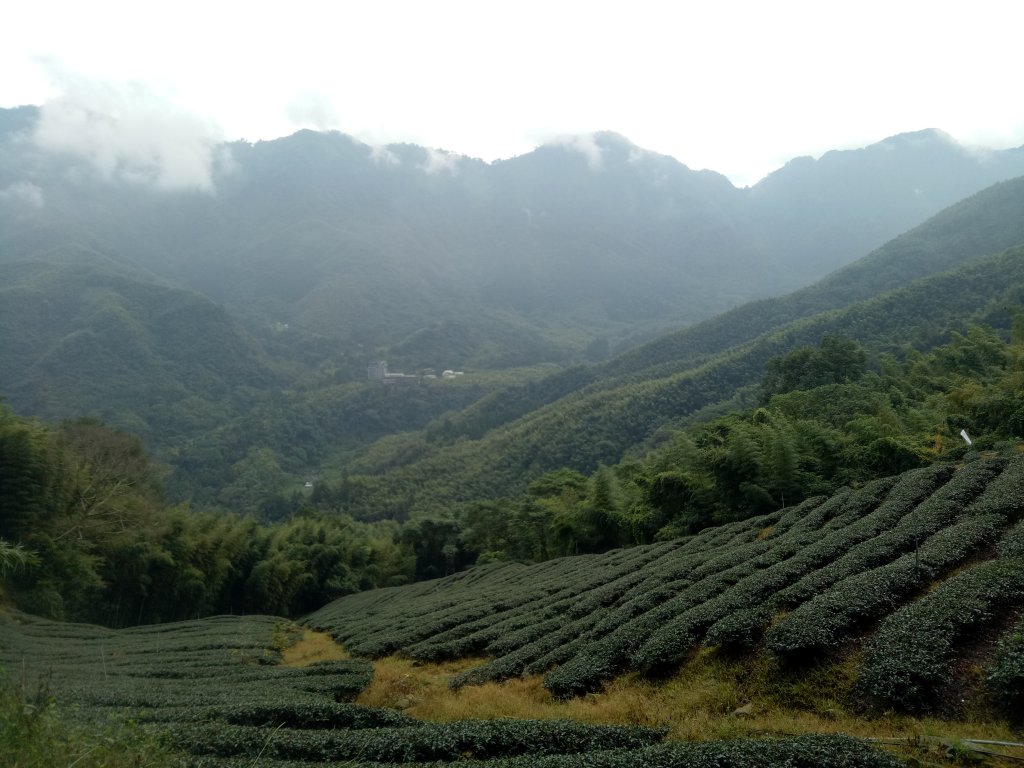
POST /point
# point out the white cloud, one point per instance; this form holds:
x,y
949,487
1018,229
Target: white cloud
x,y
313,110
438,160
128,132
23,193
381,155
737,86
586,145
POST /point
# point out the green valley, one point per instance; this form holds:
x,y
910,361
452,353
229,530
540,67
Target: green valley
x,y
381,456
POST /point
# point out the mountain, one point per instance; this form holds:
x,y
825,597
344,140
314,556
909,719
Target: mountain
x,y
601,413
85,338
578,242
315,254
823,213
985,223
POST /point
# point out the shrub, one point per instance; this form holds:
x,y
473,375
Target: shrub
x,y
831,618
1006,675
910,656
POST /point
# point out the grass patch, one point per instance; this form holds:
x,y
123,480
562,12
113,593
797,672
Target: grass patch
x,y
400,683
36,733
699,703
310,648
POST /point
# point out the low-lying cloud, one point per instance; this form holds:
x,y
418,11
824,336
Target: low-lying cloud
x,y
311,110
438,161
128,132
586,145
382,155
22,193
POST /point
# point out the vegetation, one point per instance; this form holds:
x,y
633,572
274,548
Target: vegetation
x,y
605,421
581,620
232,332
785,494
1006,675
35,732
212,693
848,428
86,535
816,576
912,654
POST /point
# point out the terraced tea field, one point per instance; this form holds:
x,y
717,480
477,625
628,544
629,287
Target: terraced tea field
x,y
213,690
923,574
918,568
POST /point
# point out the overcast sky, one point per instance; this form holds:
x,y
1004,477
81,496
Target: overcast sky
x,y
739,87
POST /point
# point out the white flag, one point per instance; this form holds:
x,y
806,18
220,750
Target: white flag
x,y
965,436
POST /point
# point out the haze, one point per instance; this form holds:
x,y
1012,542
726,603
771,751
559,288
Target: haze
x,y
738,87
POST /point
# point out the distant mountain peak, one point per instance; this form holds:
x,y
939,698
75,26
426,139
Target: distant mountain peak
x,y
927,136
613,140
602,150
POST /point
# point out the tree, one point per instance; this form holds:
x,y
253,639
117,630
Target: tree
x,y
836,360
14,557
600,522
435,542
782,460
487,529
109,479
26,479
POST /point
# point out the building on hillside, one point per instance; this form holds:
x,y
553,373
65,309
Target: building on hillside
x,y
378,371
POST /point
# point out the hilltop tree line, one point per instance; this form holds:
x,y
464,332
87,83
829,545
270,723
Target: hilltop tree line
x,y
825,419
85,532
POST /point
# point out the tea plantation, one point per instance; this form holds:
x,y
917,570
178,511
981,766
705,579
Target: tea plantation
x,y
213,691
921,569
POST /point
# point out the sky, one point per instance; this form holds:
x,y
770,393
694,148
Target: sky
x,y
737,86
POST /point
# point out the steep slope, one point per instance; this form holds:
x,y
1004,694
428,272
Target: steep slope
x,y
87,339
985,223
333,254
599,423
822,213
941,545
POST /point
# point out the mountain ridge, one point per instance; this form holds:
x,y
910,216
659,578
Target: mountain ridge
x,y
317,255
590,237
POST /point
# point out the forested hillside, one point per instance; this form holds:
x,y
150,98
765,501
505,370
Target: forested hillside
x,y
231,327
984,224
88,337
86,534
601,422
90,535
823,612
325,445
540,254
472,431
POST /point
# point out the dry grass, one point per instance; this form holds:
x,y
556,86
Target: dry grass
x,y
311,648
696,704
